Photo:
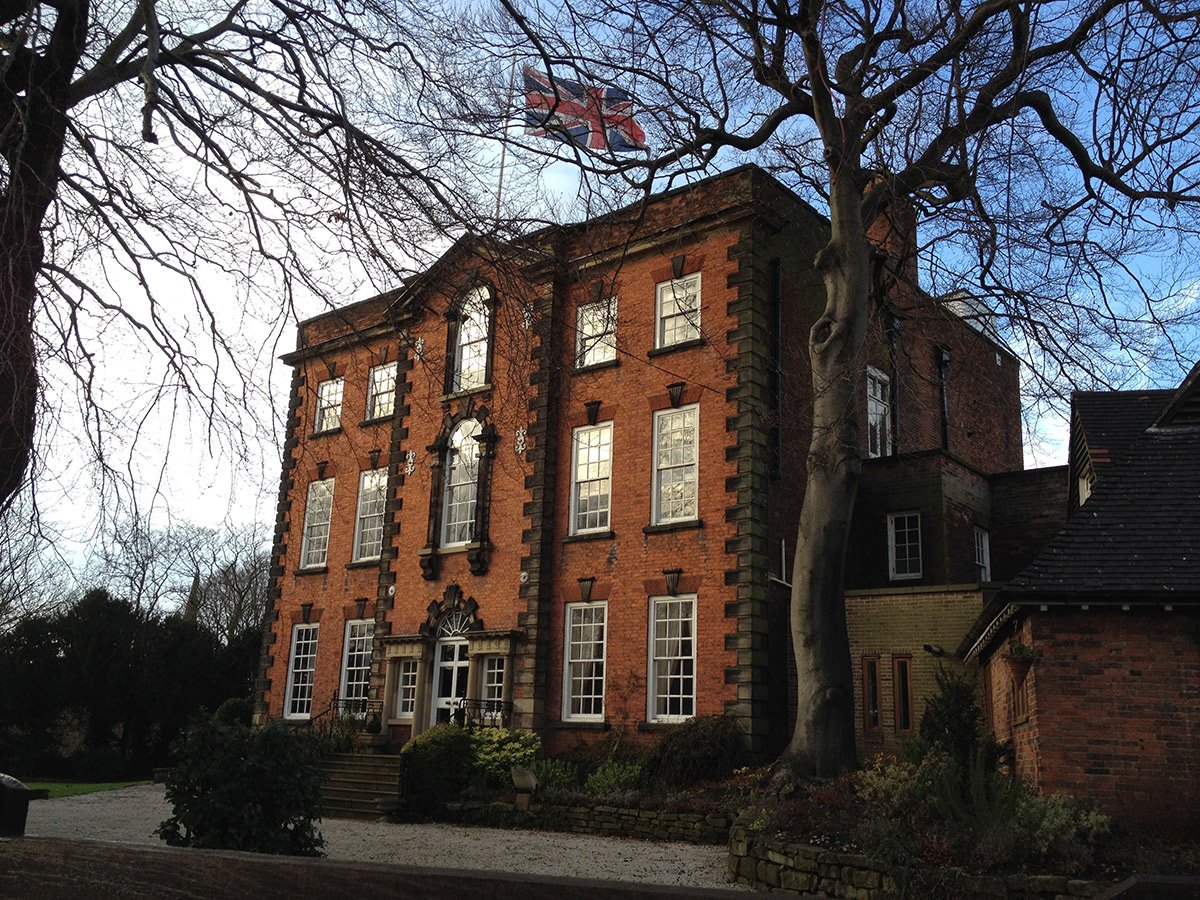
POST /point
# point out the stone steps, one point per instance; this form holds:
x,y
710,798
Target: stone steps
x,y
359,785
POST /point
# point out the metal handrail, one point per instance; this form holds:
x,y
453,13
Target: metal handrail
x,y
481,713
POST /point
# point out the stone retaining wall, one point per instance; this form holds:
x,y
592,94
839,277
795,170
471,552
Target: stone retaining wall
x,y
770,865
656,824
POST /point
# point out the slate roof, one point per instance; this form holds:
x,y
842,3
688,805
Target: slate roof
x,y
1113,420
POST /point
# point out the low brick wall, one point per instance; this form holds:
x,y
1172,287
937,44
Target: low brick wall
x,y
769,865
655,824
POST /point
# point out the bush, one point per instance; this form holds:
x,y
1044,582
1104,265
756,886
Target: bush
x,y
556,774
614,777
98,764
235,711
706,748
953,722
237,788
497,750
439,765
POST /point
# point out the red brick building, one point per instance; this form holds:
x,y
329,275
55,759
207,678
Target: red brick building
x,y
1091,655
557,484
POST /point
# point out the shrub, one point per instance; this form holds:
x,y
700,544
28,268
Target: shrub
x,y
1060,828
238,788
235,711
497,750
439,763
614,777
953,720
706,748
556,774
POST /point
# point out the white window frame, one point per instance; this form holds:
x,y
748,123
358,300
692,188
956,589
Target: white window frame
x,y
674,291
660,640
596,333
318,512
381,391
471,339
983,553
893,520
299,680
587,666
494,668
657,516
406,688
369,516
328,416
454,463
879,414
598,465
357,632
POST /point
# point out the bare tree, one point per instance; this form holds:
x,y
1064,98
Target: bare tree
x,y
34,578
1050,150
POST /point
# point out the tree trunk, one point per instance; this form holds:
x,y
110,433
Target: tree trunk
x,y
823,741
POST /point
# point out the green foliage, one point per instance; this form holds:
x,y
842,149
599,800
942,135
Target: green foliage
x,y
439,763
497,750
238,788
705,748
953,721
235,711
1057,826
556,774
614,777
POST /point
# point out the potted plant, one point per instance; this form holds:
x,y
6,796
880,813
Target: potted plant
x,y
1021,658
372,736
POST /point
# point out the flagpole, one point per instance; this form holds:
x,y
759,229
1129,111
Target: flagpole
x,y
512,83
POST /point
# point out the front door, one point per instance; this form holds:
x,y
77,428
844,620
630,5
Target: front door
x,y
449,678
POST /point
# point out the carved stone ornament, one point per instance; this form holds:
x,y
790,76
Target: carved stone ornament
x,y
410,462
419,347
519,441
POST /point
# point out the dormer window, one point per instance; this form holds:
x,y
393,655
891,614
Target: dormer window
x,y
471,331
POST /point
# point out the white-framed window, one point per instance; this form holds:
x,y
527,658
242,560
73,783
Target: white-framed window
x,y
904,545
583,669
462,484
591,478
677,315
381,391
879,414
406,688
676,470
329,405
300,672
368,525
356,665
471,342
318,509
596,332
493,678
983,554
672,680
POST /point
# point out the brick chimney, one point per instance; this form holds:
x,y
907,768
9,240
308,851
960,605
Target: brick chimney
x,y
895,232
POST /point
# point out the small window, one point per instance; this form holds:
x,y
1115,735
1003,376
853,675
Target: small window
x,y
676,471
329,405
583,690
672,659
317,512
902,691
368,530
1086,482
591,478
471,342
983,554
678,314
596,333
381,391
904,545
356,666
493,679
870,688
301,671
1020,696
406,689
879,414
462,484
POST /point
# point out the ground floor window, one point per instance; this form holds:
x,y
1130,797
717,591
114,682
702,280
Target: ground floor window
x,y
902,689
301,671
493,679
583,694
406,689
356,665
672,680
870,676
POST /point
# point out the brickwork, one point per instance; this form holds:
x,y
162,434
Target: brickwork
x,y
1028,508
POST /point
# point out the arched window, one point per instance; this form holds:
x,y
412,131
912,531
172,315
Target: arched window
x,y
461,484
471,342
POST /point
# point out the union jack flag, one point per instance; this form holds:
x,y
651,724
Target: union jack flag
x,y
597,118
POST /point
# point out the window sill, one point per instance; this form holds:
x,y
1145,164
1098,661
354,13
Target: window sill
x,y
671,348
449,551
590,536
662,726
596,367
400,720
312,570
905,579
363,563
668,527
457,395
326,432
572,725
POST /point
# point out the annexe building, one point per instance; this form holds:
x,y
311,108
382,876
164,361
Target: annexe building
x,y
557,484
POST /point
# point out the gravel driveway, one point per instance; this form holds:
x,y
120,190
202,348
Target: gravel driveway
x,y
131,815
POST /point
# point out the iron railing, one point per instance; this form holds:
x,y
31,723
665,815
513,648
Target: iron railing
x,y
345,715
481,713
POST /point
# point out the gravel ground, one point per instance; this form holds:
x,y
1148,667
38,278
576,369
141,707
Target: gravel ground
x,y
131,814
